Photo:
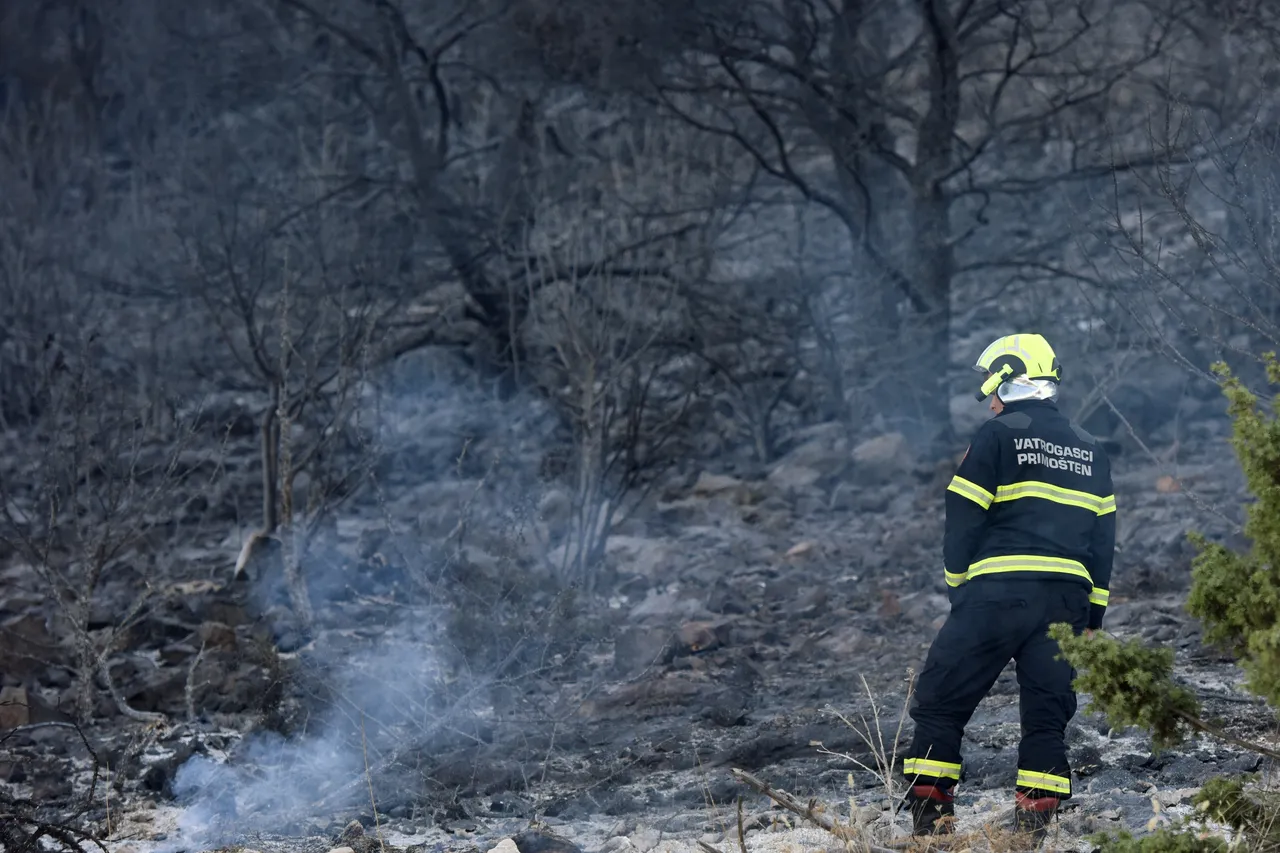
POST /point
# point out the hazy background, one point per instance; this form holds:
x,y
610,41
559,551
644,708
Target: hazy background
x,y
472,309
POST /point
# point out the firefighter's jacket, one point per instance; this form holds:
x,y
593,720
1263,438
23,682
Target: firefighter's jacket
x,y
1033,499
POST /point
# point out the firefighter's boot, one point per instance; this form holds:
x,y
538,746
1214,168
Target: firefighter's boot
x,y
1032,815
932,810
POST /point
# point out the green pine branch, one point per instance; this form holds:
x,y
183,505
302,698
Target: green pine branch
x,y
1236,597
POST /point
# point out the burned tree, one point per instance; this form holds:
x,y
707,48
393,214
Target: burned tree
x,y
89,512
920,125
618,259
303,305
1194,267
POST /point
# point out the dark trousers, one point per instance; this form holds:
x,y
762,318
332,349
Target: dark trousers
x,y
993,621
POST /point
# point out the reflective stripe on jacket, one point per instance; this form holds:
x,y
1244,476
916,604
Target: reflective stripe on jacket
x,y
1033,498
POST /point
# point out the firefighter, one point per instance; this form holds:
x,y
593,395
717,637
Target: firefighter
x,y
1029,539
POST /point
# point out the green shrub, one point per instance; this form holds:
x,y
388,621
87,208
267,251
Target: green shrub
x,y
1131,683
1252,816
1160,841
1236,597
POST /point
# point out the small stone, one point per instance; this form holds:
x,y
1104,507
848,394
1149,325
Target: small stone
x,y
342,850
351,834
702,636
709,484
539,841
788,478
217,635
800,549
883,459
639,647
644,839
506,845
15,709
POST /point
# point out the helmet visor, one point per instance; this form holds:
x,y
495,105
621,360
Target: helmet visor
x,y
1021,388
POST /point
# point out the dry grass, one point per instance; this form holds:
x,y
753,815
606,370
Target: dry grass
x,y
870,829
884,753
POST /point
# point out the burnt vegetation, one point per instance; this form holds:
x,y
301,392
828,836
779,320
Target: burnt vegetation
x,y
404,399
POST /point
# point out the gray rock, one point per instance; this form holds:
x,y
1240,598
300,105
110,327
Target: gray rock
x,y
668,605
639,647
883,459
1185,770
860,497
823,447
789,477
712,485
1111,779
1136,810
1240,764
639,555
924,607
541,841
1086,761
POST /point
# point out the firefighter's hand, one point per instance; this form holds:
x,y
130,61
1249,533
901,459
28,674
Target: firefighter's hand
x,y
1088,632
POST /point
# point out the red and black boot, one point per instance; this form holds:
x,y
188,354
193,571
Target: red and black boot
x,y
1032,815
933,810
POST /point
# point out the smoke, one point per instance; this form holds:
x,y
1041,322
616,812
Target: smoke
x,y
274,781
377,699
385,683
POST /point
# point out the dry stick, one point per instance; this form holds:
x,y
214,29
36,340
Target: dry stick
x,y
326,798
122,704
189,689
1222,697
373,803
808,811
107,796
885,759
1195,499
742,834
93,755
1210,729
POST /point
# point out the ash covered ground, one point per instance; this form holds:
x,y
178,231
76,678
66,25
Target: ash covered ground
x,y
452,697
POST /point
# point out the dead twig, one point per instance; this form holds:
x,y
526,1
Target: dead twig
x,y
872,734
810,811
94,760
189,689
1224,697
22,830
1200,502
742,833
122,704
368,776
1221,734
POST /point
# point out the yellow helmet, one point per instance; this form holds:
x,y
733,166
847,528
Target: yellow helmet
x,y
1025,359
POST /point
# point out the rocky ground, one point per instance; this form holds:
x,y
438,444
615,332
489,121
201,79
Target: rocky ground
x,y
757,619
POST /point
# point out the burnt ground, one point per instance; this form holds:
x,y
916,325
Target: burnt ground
x,y
749,622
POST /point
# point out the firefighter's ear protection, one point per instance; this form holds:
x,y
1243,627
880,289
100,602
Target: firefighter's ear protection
x,y
993,382
1001,369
